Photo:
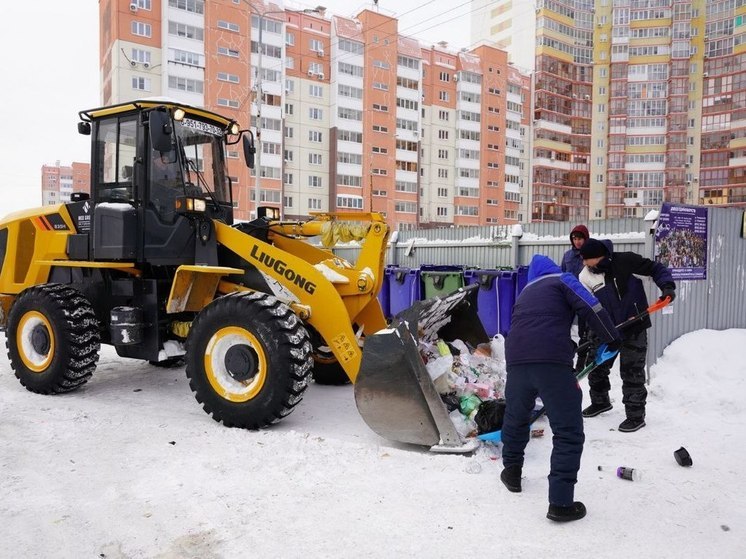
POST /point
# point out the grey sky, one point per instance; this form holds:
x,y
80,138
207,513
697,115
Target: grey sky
x,y
51,72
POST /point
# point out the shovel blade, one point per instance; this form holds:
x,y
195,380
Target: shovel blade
x,y
394,393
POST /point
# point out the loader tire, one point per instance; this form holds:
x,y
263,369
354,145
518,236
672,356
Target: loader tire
x,y
53,339
326,368
248,360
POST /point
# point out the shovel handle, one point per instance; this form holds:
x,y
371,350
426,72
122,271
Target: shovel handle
x,y
658,305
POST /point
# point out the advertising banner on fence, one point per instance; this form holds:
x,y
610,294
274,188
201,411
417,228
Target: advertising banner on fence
x,y
681,241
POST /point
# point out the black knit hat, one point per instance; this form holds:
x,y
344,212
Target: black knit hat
x,y
593,248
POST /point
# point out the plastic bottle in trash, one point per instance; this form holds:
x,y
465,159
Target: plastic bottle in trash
x,y
622,472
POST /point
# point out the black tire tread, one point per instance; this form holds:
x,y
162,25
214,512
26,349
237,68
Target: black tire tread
x,y
292,337
79,333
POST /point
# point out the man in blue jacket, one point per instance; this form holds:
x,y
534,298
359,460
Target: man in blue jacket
x,y
539,354
610,276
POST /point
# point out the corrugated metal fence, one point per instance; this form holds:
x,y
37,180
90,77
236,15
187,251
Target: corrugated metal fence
x,y
717,303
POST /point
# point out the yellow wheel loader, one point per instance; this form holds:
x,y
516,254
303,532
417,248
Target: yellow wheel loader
x,y
153,264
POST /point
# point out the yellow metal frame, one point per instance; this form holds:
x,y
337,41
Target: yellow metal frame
x,y
332,308
194,287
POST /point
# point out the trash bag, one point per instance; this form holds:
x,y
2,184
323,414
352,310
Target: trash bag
x,y
490,416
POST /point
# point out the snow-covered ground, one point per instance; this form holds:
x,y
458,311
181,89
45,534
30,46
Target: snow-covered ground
x,y
130,466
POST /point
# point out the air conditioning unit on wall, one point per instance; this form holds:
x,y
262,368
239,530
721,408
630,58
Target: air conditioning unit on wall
x,y
133,6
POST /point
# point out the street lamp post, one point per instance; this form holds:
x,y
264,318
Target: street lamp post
x,y
260,95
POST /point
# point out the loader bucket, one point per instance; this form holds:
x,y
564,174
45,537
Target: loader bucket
x,y
394,393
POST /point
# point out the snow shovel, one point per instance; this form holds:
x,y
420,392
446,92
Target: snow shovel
x,y
394,393
601,356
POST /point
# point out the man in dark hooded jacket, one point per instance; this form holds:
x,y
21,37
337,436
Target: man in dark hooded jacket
x,y
610,276
572,262
539,354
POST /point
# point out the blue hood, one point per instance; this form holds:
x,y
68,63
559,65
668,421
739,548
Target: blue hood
x,y
542,266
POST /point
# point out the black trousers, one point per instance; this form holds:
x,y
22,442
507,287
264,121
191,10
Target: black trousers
x,y
632,370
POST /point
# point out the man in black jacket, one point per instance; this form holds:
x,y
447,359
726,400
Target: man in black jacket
x,y
610,276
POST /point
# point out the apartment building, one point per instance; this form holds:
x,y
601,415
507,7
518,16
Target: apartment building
x,y
657,117
350,114
58,182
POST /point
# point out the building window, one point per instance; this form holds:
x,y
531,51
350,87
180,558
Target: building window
x,y
228,52
232,103
350,202
194,6
226,77
314,181
186,84
229,26
141,29
315,90
314,158
314,203
143,84
141,56
289,38
183,30
315,113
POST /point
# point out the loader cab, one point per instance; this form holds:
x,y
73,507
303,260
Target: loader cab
x,y
159,179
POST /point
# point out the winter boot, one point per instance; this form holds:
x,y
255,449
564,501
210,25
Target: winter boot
x,y
576,511
630,425
595,409
511,478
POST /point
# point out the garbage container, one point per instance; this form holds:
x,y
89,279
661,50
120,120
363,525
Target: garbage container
x,y
384,295
441,280
521,279
488,309
404,288
506,290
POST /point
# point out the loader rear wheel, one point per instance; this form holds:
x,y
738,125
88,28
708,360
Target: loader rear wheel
x,y
53,339
248,360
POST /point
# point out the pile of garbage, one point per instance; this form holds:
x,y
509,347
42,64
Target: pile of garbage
x,y
470,381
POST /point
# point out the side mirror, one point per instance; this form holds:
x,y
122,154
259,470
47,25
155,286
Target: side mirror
x,y
160,130
84,128
248,149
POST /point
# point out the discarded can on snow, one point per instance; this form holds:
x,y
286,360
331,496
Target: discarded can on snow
x,y
631,474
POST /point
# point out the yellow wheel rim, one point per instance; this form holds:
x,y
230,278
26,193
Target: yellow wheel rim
x,y
217,371
31,323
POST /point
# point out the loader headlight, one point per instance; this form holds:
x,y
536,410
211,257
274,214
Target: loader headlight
x,y
191,205
179,115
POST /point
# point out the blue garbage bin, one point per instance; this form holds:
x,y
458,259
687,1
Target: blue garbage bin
x,y
384,295
488,308
404,288
506,290
521,279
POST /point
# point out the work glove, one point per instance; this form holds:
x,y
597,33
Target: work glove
x,y
668,291
604,351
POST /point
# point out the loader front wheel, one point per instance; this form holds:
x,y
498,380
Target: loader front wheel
x,y
53,339
248,360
